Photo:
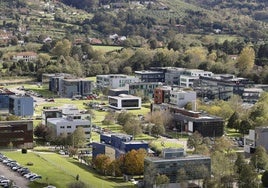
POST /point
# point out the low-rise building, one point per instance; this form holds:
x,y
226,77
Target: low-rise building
x,y
66,85
25,56
68,125
144,88
251,95
255,138
116,144
124,102
114,81
21,105
181,97
17,134
162,94
190,121
172,162
150,76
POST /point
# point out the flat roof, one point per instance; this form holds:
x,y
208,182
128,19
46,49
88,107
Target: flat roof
x,y
183,158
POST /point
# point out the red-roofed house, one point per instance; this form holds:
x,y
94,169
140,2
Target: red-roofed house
x,y
25,56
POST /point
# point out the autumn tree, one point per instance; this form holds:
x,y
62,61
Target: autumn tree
x,y
248,177
109,118
134,162
101,163
246,59
133,127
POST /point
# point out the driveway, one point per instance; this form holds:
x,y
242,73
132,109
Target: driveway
x,y
14,176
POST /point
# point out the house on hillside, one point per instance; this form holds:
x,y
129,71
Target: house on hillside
x,y
25,56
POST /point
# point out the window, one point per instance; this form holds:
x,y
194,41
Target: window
x,y
69,127
62,127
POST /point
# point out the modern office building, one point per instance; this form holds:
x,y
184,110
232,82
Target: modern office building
x,y
144,88
21,105
172,75
50,112
187,81
66,85
124,102
251,95
190,121
4,99
181,97
173,160
116,144
68,125
114,81
255,138
150,76
117,92
18,133
162,94
226,81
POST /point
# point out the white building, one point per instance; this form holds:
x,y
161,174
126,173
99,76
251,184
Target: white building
x,y
187,81
114,81
25,56
68,125
197,72
255,138
181,98
124,102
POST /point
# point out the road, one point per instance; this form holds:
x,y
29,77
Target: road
x,y
14,176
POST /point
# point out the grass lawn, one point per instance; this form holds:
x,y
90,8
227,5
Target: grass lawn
x,y
161,143
60,171
106,48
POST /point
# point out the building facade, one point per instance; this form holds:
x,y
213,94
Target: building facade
x,y
116,144
124,102
25,56
255,138
114,81
68,125
18,133
172,161
21,105
162,95
150,76
181,97
144,88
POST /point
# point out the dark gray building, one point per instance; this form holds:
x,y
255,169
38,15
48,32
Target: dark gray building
x,y
150,76
172,162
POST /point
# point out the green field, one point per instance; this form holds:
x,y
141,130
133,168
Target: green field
x,y
60,171
106,48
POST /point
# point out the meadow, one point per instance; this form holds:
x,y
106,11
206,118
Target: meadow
x,y
59,171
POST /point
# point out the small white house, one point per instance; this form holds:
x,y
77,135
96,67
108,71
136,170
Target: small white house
x,y
124,101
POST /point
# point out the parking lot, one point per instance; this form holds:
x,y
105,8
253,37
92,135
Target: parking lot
x,y
19,180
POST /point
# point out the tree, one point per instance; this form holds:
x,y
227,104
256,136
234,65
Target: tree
x,y
233,122
244,127
195,140
248,178
245,61
77,184
124,117
150,174
239,163
161,179
260,158
157,129
264,179
109,118
78,137
134,162
42,131
62,48
182,177
101,163
132,127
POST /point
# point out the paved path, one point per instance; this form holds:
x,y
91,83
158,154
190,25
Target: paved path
x,y
14,176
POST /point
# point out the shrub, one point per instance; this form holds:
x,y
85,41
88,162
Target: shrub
x,y
29,164
23,150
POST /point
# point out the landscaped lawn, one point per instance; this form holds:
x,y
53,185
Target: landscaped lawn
x,y
162,143
60,171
